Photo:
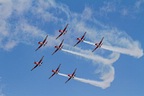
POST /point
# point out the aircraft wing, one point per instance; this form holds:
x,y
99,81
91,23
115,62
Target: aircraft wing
x,y
74,72
83,36
34,67
43,43
56,71
81,39
65,28
41,59
45,39
55,51
68,80
77,43
52,75
95,48
59,35
39,47
63,31
59,47
101,41
99,44
58,67
61,43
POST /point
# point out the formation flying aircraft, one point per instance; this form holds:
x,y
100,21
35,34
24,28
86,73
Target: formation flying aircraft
x,y
62,31
71,75
55,71
80,39
58,47
38,63
42,43
98,45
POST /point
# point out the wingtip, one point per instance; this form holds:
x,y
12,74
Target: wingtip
x,y
57,37
75,45
93,50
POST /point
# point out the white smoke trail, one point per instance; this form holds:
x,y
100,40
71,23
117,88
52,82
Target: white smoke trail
x,y
102,84
64,75
129,51
93,57
91,82
89,42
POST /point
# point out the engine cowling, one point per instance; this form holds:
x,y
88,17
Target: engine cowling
x,y
56,46
69,75
40,42
78,38
60,30
96,44
35,62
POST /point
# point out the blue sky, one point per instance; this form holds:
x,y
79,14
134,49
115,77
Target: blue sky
x,y
116,69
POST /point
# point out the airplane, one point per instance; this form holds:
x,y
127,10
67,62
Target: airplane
x,y
58,47
80,39
98,45
62,31
38,63
71,75
55,71
43,43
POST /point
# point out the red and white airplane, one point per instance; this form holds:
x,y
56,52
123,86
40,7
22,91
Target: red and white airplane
x,y
71,75
62,31
80,39
55,71
38,63
58,47
42,43
98,45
